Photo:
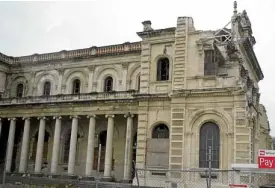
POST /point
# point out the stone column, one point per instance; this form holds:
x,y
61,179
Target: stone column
x,y
73,143
109,148
128,155
10,144
40,145
25,146
90,147
56,143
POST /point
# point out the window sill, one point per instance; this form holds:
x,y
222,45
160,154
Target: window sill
x,y
162,82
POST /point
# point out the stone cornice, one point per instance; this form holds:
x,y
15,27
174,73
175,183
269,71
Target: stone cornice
x,y
207,92
253,59
78,54
156,33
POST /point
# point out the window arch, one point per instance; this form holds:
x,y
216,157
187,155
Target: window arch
x,y
76,86
209,136
163,69
47,88
160,131
108,84
19,90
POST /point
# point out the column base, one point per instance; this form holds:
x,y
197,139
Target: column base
x,y
37,174
70,176
88,178
106,179
126,181
22,174
54,176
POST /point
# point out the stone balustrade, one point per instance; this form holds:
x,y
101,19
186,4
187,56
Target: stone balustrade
x,y
118,95
72,54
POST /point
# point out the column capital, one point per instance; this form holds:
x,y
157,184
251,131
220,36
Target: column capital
x,y
42,117
27,117
57,117
91,116
109,116
11,119
128,115
76,117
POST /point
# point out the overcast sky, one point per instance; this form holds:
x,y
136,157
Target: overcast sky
x,y
39,27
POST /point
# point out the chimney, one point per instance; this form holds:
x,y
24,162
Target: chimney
x,y
147,25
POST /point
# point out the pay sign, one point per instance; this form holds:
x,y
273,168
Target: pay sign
x,y
266,159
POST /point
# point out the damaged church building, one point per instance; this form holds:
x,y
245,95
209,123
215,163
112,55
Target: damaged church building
x,y
154,104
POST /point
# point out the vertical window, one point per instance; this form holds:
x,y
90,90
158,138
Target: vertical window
x,y
108,84
160,131
76,86
19,90
47,88
138,83
209,136
163,69
67,147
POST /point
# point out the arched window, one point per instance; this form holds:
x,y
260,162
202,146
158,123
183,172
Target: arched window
x,y
209,136
76,86
160,131
108,84
163,69
19,90
47,88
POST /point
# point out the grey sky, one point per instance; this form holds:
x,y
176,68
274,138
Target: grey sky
x,y
39,27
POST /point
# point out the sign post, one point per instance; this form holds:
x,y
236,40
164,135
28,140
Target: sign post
x,y
266,159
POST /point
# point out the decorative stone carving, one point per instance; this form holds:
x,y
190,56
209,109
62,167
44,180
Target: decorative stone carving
x,y
91,68
61,71
230,134
125,65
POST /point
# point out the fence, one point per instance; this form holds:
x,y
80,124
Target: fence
x,y
200,178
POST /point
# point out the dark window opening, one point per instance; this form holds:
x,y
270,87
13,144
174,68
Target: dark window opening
x,y
212,61
19,90
160,131
47,88
138,83
76,86
163,69
209,136
108,84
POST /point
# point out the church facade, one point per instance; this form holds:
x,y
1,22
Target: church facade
x,y
161,102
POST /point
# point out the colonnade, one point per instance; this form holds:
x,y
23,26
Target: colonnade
x,y
73,145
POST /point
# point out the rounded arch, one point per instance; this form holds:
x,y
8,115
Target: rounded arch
x,y
218,116
153,126
132,76
16,81
46,77
105,72
67,128
103,127
160,131
47,129
159,68
72,75
108,84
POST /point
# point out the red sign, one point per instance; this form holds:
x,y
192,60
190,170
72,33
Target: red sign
x,y
266,159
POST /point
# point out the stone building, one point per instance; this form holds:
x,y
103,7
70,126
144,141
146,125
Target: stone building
x,y
160,102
